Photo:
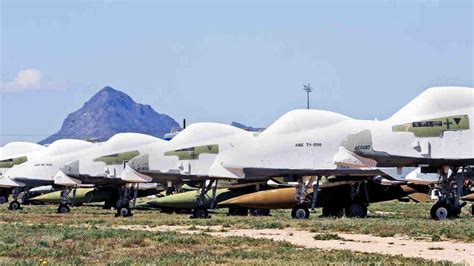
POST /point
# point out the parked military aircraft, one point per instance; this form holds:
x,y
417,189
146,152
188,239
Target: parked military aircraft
x,y
186,158
306,143
301,143
102,166
434,132
14,153
40,168
84,195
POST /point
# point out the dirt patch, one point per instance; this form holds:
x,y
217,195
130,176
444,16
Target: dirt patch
x,y
457,252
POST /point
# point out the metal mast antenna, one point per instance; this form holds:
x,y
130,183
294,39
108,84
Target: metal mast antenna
x,y
308,90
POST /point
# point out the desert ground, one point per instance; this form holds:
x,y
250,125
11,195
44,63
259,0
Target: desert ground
x,y
394,232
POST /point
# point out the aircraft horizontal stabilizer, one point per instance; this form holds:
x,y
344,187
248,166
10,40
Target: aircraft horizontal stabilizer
x,y
64,180
132,176
347,158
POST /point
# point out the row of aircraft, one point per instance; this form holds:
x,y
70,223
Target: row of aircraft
x,y
313,158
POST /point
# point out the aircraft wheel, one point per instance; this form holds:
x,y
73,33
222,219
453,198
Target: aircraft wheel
x,y
238,212
124,211
332,211
440,211
472,209
63,209
356,210
454,212
300,212
3,199
14,205
259,212
200,213
167,210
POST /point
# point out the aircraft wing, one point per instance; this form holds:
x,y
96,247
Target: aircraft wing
x,y
145,176
266,173
371,158
62,179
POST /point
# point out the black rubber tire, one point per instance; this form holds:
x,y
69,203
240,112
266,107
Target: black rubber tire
x,y
3,199
440,211
124,211
200,213
167,210
14,205
454,212
63,209
259,212
300,212
472,209
329,211
236,211
356,210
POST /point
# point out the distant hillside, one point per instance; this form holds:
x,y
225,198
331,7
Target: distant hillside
x,y
249,128
110,112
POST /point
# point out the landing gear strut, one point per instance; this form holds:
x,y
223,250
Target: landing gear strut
x,y
64,204
201,212
301,211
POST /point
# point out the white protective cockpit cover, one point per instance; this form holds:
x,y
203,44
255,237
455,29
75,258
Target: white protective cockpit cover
x,y
121,140
15,149
205,131
437,100
301,120
64,146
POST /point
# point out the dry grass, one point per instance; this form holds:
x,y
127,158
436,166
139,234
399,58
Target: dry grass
x,y
82,236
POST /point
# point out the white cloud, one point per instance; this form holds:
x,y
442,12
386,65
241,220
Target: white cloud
x,y
29,80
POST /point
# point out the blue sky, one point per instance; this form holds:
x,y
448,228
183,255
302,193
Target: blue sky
x,y
240,61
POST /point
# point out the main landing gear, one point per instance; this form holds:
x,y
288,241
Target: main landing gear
x,y
301,210
201,211
352,206
449,193
65,203
3,196
15,204
126,201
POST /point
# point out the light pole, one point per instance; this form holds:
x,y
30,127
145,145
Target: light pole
x,y
308,89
